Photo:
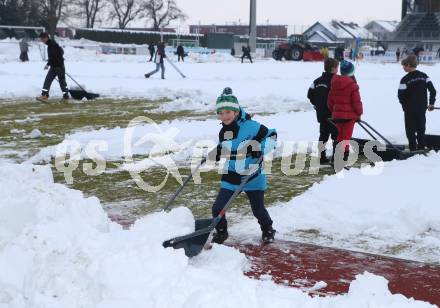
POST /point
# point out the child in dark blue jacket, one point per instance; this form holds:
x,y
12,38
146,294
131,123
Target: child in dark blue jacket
x,y
242,141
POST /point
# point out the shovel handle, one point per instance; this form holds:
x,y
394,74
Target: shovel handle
x,y
75,82
178,191
362,123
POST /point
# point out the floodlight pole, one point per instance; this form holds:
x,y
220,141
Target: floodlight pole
x,y
253,25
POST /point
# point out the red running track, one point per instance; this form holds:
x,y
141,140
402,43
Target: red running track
x,y
302,265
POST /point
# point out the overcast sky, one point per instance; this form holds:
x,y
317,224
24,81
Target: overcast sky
x,y
290,12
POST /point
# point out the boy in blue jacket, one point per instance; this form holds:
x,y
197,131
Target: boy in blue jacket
x,y
242,141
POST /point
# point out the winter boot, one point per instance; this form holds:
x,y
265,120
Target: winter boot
x,y
268,234
65,97
43,98
147,75
220,236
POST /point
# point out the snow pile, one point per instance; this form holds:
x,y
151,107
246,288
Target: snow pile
x,y
58,249
398,204
35,133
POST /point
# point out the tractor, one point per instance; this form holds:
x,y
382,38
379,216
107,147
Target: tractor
x,y
296,49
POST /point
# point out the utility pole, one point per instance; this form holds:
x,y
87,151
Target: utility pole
x,y
253,26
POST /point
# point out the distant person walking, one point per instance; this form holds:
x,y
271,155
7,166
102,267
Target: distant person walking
x,y
152,51
180,53
325,52
417,52
159,60
24,48
246,53
398,54
404,52
339,53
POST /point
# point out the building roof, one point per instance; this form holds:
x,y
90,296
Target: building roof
x,y
339,30
320,37
387,25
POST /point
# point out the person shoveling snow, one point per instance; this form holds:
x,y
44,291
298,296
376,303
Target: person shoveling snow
x,y
55,64
237,135
243,142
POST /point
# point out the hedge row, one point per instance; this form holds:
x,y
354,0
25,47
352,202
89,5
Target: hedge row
x,y
130,37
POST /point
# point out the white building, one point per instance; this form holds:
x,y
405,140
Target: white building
x,y
337,33
382,29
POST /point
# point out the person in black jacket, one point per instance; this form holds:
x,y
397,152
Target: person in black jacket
x,y
246,53
413,97
398,54
152,51
318,94
180,53
55,64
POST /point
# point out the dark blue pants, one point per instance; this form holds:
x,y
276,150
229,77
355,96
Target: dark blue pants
x,y
415,125
256,198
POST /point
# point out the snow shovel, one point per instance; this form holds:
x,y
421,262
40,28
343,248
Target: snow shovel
x,y
179,190
80,94
175,67
174,196
194,243
396,151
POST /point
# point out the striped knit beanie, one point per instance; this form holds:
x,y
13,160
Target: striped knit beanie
x,y
227,101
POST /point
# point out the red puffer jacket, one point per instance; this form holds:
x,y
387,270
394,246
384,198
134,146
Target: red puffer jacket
x,y
344,100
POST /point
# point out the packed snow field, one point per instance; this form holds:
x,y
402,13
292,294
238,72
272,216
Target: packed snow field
x,y
63,251
59,249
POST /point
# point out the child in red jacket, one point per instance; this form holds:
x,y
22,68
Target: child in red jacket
x,y
345,104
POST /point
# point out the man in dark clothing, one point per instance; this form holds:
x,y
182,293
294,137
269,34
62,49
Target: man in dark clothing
x,y
414,99
417,52
339,53
318,94
180,53
152,51
398,54
55,65
159,60
246,53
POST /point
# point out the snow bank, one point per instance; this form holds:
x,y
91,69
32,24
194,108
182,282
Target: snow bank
x,y
400,203
58,249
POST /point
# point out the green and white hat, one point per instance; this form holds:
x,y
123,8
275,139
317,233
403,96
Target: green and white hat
x,y
227,101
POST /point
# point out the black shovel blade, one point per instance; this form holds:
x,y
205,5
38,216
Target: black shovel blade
x,y
91,96
408,154
80,94
192,243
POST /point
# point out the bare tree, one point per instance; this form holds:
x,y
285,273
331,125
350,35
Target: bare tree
x,y
89,10
125,11
52,11
162,12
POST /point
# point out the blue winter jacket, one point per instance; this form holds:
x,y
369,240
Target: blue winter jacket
x,y
242,143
